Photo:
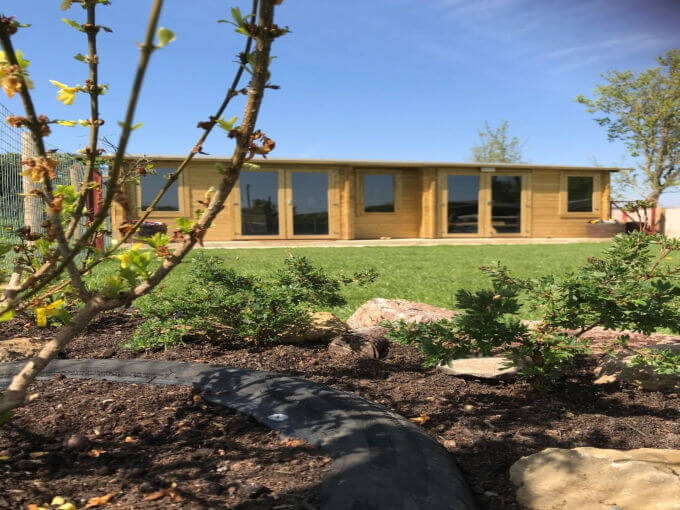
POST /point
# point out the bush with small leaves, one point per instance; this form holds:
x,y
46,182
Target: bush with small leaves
x,y
631,286
486,323
227,307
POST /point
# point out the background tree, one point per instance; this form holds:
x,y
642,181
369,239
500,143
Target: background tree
x,y
643,111
496,146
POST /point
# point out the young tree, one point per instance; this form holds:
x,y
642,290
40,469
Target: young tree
x,y
54,283
496,146
643,111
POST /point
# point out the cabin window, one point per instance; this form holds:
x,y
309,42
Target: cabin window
x,y
379,193
580,193
152,184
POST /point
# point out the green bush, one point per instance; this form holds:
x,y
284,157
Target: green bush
x,y
630,286
221,305
487,322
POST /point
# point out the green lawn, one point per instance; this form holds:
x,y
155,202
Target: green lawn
x,y
430,274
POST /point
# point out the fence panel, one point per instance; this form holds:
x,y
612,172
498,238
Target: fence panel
x,y
11,203
17,211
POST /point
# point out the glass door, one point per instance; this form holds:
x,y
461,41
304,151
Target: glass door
x,y
308,203
462,204
506,204
259,203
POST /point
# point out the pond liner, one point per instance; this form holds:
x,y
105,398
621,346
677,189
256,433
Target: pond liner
x,y
381,461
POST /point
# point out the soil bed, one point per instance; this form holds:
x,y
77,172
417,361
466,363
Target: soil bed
x,y
84,438
487,426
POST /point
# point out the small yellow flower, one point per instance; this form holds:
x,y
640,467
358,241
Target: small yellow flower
x,y
65,94
125,256
42,313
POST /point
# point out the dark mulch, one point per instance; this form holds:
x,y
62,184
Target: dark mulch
x,y
487,426
85,439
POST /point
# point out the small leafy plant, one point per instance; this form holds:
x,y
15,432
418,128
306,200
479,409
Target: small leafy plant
x,y
486,323
631,286
663,361
227,307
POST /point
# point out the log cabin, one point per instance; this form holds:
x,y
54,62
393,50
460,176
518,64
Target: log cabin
x,y
329,199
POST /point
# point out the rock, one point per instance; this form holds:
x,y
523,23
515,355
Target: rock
x,y
377,310
483,367
15,349
359,345
76,442
323,326
593,478
619,369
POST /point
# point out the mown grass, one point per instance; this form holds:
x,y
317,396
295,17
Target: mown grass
x,y
430,274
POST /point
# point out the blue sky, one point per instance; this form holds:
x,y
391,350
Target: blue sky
x,y
378,79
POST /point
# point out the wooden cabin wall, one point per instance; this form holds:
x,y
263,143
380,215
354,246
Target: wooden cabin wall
x,y
404,222
548,220
418,202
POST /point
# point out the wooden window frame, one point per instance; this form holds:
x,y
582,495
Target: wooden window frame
x,y
281,203
485,229
332,197
596,198
360,208
182,196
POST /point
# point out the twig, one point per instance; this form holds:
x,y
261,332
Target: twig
x,y
93,82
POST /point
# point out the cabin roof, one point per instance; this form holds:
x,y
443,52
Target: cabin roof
x,y
363,163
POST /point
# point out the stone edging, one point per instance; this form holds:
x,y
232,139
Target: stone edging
x,y
380,459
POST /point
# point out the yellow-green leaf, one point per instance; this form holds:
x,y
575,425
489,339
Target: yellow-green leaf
x,y
165,36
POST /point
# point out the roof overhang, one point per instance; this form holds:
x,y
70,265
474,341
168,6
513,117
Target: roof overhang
x,y
379,164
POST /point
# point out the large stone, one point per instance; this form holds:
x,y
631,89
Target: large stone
x,y
15,349
619,369
591,478
323,326
377,310
484,367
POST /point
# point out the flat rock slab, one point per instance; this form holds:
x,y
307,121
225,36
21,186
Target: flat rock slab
x,y
645,377
377,310
483,367
380,459
594,479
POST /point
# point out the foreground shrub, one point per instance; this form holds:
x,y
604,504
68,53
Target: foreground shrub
x,y
486,323
630,286
221,305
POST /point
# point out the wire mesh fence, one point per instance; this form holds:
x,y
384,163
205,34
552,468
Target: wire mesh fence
x,y
11,203
16,208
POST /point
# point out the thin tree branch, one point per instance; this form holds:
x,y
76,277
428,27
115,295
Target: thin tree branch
x,y
53,214
255,94
44,274
93,83
231,93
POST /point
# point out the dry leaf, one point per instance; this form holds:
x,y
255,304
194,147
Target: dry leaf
x,y
37,455
197,398
99,500
96,453
421,420
130,439
171,493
